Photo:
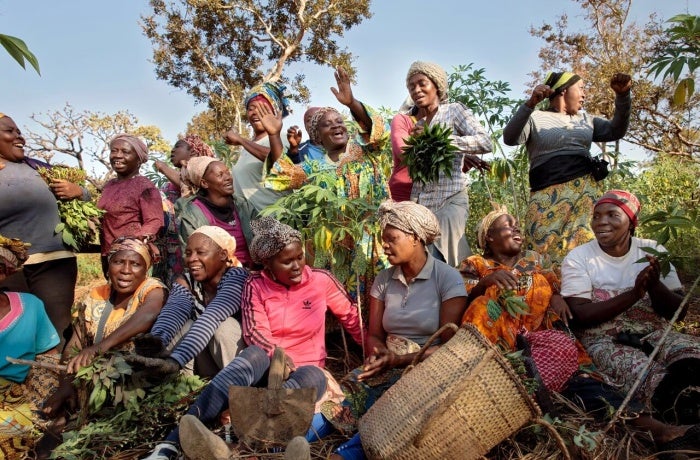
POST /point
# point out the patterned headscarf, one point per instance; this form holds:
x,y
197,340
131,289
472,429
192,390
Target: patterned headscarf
x,y
274,94
559,81
223,239
409,217
137,144
624,200
198,146
2,115
191,174
433,71
314,136
132,243
483,227
13,253
271,237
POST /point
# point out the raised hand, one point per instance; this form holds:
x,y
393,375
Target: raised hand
x,y
344,91
271,121
232,136
538,95
294,137
621,83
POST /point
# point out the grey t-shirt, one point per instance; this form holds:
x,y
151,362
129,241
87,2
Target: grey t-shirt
x,y
413,310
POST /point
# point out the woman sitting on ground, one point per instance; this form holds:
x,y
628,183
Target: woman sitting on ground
x,y
212,201
410,301
622,308
199,327
506,271
284,305
127,305
25,333
188,147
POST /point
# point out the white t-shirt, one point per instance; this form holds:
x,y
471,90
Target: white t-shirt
x,y
588,272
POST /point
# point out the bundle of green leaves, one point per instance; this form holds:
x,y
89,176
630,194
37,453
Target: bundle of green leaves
x,y
80,220
429,153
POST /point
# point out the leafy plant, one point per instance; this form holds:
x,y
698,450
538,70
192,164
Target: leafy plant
x,y
429,153
80,220
19,51
332,222
148,415
681,51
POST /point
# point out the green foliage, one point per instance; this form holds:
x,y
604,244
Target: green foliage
x,y
680,52
19,51
429,153
331,221
669,189
507,181
80,219
141,416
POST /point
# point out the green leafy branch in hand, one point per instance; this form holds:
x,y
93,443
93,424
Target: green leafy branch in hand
x,y
80,220
429,153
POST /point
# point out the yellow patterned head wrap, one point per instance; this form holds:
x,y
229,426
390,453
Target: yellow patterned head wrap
x,y
483,227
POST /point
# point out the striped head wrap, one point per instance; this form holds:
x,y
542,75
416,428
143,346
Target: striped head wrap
x,y
559,81
274,94
198,146
223,239
192,173
314,136
271,237
132,243
483,227
434,72
624,200
409,217
137,144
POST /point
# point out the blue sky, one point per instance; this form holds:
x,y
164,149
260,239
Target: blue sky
x,y
94,56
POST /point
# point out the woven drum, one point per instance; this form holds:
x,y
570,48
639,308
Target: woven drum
x,y
457,404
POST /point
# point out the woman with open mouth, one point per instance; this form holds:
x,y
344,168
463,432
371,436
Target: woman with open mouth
x,y
30,212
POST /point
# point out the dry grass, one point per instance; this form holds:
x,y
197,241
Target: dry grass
x,y
532,442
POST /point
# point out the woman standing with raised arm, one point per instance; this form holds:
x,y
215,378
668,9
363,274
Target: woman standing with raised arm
x,y
558,142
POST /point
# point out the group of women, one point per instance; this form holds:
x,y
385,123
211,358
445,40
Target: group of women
x,y
247,288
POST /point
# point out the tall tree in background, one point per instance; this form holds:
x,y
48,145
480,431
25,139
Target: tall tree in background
x,y
216,50
81,138
614,44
